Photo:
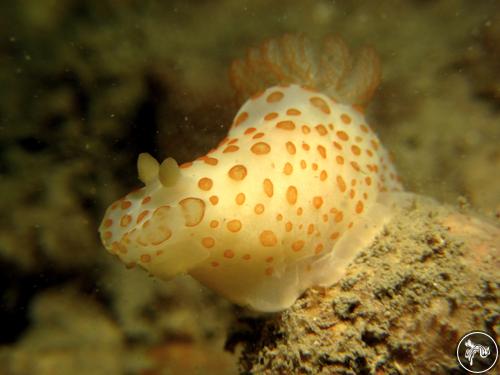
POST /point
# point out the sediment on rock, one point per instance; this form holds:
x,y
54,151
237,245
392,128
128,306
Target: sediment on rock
x,y
428,279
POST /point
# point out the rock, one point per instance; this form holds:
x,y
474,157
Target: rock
x,y
428,279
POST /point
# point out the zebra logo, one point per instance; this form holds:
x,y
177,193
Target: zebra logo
x,y
477,352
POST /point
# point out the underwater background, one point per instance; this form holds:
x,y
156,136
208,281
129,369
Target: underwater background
x,y
85,86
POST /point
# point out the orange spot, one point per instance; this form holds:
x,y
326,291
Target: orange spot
x,y
319,248
337,145
345,118
355,166
249,131
193,210
274,97
340,160
205,183
335,235
241,118
230,148
268,238
374,144
114,206
321,130
306,129
279,217
298,245
246,257
238,172
291,195
342,135
234,226
288,226
310,229
288,169
186,165
303,164
214,199
228,254
323,175
118,247
322,151
107,235
358,139
339,216
210,161
317,202
146,200
305,146
270,116
364,129
214,224
286,125
290,147
259,208
269,271
352,193
268,187
107,223
145,258
341,183
359,207
261,148
258,135
299,212
141,216
314,166
269,259
355,150
320,104
257,95
293,112
208,242
125,220
240,199
215,264
126,204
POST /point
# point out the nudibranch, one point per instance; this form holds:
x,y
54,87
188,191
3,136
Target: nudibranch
x,y
286,201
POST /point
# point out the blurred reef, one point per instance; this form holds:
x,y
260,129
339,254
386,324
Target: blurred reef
x,y
88,85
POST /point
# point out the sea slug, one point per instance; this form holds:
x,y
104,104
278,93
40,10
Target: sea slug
x,y
286,201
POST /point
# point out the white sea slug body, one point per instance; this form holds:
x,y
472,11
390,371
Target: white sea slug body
x,y
287,199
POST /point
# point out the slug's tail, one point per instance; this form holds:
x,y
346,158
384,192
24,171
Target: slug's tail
x,y
293,58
